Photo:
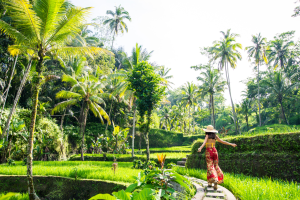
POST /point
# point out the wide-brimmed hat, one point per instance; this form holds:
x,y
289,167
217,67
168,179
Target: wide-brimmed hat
x,y
211,129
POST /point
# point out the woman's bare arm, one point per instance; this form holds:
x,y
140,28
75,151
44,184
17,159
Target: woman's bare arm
x,y
205,140
224,142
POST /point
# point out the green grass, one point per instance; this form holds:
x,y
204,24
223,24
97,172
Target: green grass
x,y
267,130
177,155
85,170
14,196
166,149
249,188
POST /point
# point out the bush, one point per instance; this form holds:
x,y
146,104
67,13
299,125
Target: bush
x,y
275,143
275,155
162,138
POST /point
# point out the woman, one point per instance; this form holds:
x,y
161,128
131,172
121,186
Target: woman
x,y
214,173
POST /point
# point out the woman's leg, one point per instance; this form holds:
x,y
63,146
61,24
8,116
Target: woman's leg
x,y
212,176
216,166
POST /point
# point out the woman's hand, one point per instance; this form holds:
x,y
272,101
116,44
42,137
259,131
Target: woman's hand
x,y
234,145
199,150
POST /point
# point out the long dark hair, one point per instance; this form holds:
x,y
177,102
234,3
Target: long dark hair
x,y
211,135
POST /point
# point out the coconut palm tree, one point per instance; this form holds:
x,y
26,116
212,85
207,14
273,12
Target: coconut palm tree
x,y
42,28
225,53
164,74
276,83
246,110
258,52
211,83
117,21
279,53
87,94
190,96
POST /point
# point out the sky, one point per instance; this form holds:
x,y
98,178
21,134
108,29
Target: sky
x,y
176,30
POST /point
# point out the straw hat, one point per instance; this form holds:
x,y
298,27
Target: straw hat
x,y
211,129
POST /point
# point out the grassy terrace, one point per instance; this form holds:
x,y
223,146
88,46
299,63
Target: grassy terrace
x,y
178,155
85,170
249,188
167,149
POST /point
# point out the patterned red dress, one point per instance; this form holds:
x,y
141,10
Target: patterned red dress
x,y
214,173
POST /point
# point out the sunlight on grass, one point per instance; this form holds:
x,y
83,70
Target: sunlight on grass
x,y
85,170
249,188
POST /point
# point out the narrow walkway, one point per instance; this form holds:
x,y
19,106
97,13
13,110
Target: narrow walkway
x,y
203,191
208,193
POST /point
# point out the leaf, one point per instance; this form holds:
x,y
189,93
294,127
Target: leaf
x,y
145,194
131,187
122,195
103,196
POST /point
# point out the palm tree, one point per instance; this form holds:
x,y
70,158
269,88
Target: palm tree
x,y
258,53
165,120
117,21
212,83
138,54
39,29
164,74
190,96
225,52
87,94
276,83
279,53
246,110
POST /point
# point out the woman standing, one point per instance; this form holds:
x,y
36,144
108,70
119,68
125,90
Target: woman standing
x,y
214,173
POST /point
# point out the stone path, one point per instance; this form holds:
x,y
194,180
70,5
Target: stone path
x,y
203,191
208,193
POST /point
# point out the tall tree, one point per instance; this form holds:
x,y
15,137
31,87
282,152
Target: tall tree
x,y
87,94
211,83
246,110
279,53
276,83
257,51
41,28
226,53
117,21
146,84
190,96
138,55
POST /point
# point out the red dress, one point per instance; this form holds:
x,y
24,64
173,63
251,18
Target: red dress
x,y
214,173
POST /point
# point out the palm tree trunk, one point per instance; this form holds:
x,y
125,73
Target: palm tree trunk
x,y
213,110
62,120
247,122
83,118
37,83
108,115
189,119
258,94
147,137
133,130
8,86
232,105
12,110
112,44
280,101
140,142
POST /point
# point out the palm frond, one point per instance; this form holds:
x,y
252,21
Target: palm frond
x,y
63,94
63,105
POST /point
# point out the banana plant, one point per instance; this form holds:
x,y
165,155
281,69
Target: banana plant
x,y
145,194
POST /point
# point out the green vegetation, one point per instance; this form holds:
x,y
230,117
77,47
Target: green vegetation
x,y
83,170
13,196
275,155
249,188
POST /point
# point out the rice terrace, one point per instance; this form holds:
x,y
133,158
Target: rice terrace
x,y
149,100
